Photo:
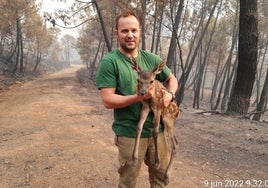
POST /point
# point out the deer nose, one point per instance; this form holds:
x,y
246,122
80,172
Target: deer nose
x,y
143,92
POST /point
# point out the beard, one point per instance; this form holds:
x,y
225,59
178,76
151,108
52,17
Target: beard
x,y
128,48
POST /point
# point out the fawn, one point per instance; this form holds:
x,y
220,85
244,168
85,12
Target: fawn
x,y
166,114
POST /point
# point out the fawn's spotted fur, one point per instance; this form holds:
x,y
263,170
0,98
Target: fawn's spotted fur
x,y
146,79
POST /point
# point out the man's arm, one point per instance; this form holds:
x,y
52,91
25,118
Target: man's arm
x,y
172,83
112,100
172,86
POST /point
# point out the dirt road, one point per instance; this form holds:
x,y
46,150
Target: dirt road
x,y
55,133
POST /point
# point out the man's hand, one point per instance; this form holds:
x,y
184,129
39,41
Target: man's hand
x,y
148,95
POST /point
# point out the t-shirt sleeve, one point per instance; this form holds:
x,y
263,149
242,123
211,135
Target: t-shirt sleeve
x,y
164,74
106,74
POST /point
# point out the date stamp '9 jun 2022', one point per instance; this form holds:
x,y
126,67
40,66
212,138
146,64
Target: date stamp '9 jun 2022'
x,y
250,183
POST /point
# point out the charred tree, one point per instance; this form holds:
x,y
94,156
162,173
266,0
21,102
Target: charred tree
x,y
247,57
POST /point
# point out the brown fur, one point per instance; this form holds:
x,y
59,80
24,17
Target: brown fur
x,y
146,79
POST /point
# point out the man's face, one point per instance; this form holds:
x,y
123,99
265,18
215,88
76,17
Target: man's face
x,y
128,34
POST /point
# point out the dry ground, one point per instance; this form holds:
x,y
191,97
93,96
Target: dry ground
x,y
55,133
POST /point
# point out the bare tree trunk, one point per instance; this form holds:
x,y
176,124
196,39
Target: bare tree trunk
x,y
143,14
92,67
159,28
154,25
17,46
230,76
187,73
260,73
21,50
173,40
37,61
204,61
38,58
247,57
264,96
108,45
215,83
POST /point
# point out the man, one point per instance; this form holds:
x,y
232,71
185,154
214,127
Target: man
x,y
117,82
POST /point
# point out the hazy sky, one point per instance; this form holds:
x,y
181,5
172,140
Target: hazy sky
x,y
51,5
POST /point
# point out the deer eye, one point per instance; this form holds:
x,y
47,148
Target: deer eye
x,y
151,81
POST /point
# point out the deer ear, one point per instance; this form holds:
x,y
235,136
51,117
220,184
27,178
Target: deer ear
x,y
135,65
159,68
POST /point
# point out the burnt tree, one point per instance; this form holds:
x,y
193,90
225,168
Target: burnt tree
x,y
247,57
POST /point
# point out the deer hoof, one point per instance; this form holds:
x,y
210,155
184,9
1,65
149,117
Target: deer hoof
x,y
157,164
166,179
134,162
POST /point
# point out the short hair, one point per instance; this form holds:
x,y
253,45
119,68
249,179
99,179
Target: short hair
x,y
125,14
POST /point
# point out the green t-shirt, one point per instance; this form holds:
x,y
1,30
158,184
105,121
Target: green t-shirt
x,y
115,71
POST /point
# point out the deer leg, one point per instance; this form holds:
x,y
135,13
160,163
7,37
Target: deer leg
x,y
143,115
169,126
156,130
